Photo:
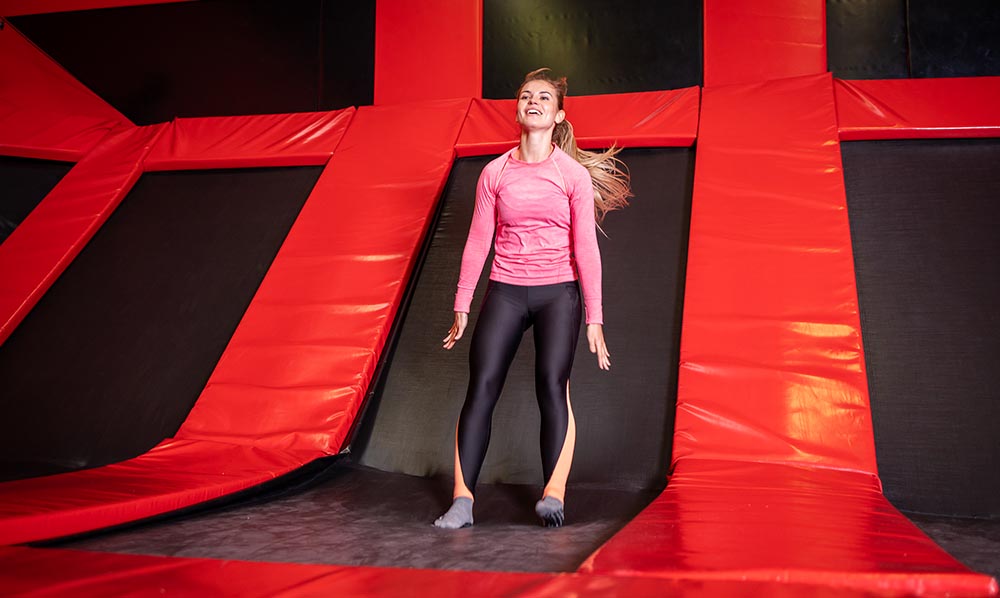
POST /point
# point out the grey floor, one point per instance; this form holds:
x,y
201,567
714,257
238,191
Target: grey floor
x,y
363,516
975,542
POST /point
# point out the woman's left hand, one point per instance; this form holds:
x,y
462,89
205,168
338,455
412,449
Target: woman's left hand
x,y
595,336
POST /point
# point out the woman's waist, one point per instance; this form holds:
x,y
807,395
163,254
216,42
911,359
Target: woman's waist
x,y
531,276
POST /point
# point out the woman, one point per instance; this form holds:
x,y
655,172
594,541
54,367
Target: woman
x,y
540,198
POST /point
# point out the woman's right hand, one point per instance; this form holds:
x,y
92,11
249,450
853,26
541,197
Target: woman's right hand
x,y
457,329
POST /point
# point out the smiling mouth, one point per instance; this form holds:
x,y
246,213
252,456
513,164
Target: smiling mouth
x,y
534,111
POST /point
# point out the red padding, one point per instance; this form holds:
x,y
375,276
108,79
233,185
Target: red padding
x,y
38,250
289,384
65,572
172,475
296,369
767,522
427,50
772,367
746,42
918,108
301,139
29,571
646,119
44,112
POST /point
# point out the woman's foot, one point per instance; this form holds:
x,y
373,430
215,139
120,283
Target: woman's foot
x,y
551,511
458,516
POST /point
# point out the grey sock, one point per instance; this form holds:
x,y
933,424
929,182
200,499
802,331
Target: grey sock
x,y
459,515
551,511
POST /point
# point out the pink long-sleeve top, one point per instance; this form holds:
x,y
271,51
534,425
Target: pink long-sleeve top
x,y
543,216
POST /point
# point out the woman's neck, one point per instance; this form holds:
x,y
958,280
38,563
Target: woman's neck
x,y
535,146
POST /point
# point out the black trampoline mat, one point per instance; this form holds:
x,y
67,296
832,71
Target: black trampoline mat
x,y
975,542
923,217
624,417
378,510
364,517
113,356
25,182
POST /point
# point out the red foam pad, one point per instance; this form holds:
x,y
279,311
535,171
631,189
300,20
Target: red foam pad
x,y
646,119
918,108
27,571
749,42
173,475
427,50
44,112
771,362
290,382
761,521
300,139
297,367
54,232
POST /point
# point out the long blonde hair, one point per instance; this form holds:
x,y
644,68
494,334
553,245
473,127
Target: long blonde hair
x,y
608,173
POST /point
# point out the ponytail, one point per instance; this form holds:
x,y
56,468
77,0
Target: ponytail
x,y
608,173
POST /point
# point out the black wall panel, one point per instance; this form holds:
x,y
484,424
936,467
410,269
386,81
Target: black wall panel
x,y
923,218
958,38
114,355
885,39
866,39
24,183
624,417
216,57
601,46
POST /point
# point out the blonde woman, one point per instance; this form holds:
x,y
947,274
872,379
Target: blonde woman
x,y
542,199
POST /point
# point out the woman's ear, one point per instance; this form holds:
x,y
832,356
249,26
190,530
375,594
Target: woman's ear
x,y
560,116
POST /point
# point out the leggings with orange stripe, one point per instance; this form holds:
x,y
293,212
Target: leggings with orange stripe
x,y
554,313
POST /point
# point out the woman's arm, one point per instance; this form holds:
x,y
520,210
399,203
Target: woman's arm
x,y
585,249
588,265
477,248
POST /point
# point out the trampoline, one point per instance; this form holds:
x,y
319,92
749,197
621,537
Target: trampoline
x,y
128,335
376,509
743,456
26,182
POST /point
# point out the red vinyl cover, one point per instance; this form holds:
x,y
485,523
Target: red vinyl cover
x,y
427,50
772,367
287,387
54,232
44,112
36,572
644,119
918,108
300,139
787,523
298,365
172,475
747,42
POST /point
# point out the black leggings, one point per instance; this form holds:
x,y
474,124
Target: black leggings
x,y
508,311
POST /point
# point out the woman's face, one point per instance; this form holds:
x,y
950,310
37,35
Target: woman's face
x,y
538,106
